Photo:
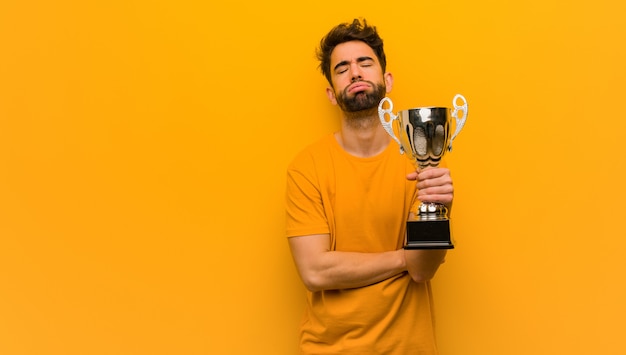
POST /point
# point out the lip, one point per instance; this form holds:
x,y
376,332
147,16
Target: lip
x,y
358,87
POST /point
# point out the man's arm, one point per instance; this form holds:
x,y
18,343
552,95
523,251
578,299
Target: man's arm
x,y
434,185
323,269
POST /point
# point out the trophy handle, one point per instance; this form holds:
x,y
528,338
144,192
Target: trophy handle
x,y
388,125
459,121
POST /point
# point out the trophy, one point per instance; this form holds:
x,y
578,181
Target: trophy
x,y
424,133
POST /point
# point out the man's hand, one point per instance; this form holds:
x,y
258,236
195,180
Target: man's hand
x,y
434,185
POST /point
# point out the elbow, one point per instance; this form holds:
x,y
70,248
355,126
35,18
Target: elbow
x,y
422,277
421,274
422,265
313,288
313,283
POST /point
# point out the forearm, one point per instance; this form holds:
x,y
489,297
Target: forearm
x,y
321,269
341,270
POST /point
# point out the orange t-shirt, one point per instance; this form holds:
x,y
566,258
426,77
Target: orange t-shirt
x,y
363,203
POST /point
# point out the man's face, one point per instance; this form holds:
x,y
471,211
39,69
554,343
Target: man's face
x,y
357,77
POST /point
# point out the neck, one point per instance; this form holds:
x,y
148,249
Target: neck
x,y
361,134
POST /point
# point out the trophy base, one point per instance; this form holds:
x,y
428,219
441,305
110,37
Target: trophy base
x,y
428,234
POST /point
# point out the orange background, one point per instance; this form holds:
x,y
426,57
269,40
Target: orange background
x,y
143,146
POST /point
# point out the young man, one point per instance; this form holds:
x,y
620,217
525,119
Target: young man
x,y
348,199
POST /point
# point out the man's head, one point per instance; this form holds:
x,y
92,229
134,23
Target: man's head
x,y
353,61
346,32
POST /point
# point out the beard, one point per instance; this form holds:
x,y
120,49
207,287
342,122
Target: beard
x,y
361,101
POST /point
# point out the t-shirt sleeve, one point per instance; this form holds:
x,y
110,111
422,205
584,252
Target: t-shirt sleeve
x,y
304,201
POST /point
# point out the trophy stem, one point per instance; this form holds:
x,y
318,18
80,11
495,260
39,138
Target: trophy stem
x,y
432,210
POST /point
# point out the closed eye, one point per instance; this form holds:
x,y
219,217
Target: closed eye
x,y
343,66
365,61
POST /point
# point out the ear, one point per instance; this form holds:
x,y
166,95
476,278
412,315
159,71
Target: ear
x,y
388,81
331,95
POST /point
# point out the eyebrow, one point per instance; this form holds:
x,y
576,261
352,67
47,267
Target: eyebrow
x,y
358,60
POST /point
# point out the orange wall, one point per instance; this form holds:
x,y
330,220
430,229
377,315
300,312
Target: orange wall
x,y
143,147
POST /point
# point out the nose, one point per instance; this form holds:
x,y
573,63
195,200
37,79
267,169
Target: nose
x,y
355,73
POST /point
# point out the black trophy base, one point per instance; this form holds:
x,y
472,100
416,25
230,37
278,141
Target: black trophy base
x,y
428,234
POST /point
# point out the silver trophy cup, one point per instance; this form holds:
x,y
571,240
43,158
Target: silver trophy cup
x,y
424,133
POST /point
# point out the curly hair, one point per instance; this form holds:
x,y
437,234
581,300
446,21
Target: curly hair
x,y
346,32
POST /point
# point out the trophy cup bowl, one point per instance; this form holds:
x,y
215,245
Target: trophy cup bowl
x,y
424,133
